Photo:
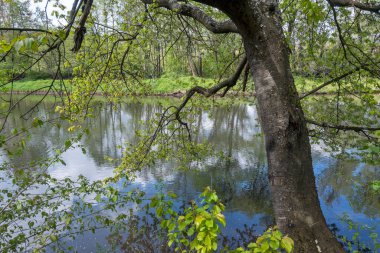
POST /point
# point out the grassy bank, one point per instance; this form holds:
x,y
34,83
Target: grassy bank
x,y
162,85
28,85
168,84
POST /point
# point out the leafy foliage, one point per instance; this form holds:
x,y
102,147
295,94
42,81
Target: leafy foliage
x,y
197,228
270,242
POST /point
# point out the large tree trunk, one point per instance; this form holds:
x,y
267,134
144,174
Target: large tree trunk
x,y
291,176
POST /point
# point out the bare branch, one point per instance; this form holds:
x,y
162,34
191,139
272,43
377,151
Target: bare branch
x,y
372,7
24,29
336,79
196,13
343,127
228,83
245,77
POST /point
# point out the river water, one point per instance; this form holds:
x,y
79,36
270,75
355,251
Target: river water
x,y
240,180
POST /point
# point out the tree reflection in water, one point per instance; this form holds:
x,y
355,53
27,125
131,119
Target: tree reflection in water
x,y
240,177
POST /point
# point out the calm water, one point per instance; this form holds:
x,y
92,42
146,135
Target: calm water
x,y
240,181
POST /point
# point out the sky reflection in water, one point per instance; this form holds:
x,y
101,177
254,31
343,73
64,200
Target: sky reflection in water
x,y
240,181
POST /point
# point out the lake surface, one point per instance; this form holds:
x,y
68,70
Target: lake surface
x,y
240,181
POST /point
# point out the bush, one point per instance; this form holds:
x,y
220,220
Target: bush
x,y
37,75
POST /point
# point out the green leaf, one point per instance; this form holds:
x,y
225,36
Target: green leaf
x,y
171,226
214,246
287,244
190,232
37,122
209,223
252,245
221,219
274,244
53,238
208,242
277,234
198,220
264,246
181,226
68,220
61,161
67,144
200,236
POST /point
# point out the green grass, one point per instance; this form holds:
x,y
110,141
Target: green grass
x,y
162,85
28,85
168,84
306,84
171,83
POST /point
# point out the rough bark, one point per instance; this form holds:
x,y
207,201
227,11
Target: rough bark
x,y
291,176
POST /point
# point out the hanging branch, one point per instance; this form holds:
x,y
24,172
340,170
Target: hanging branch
x,y
24,29
343,127
372,7
228,83
334,80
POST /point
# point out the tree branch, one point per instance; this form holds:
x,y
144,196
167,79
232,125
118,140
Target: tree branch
x,y
372,7
245,77
24,29
228,83
343,127
196,13
81,29
336,79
